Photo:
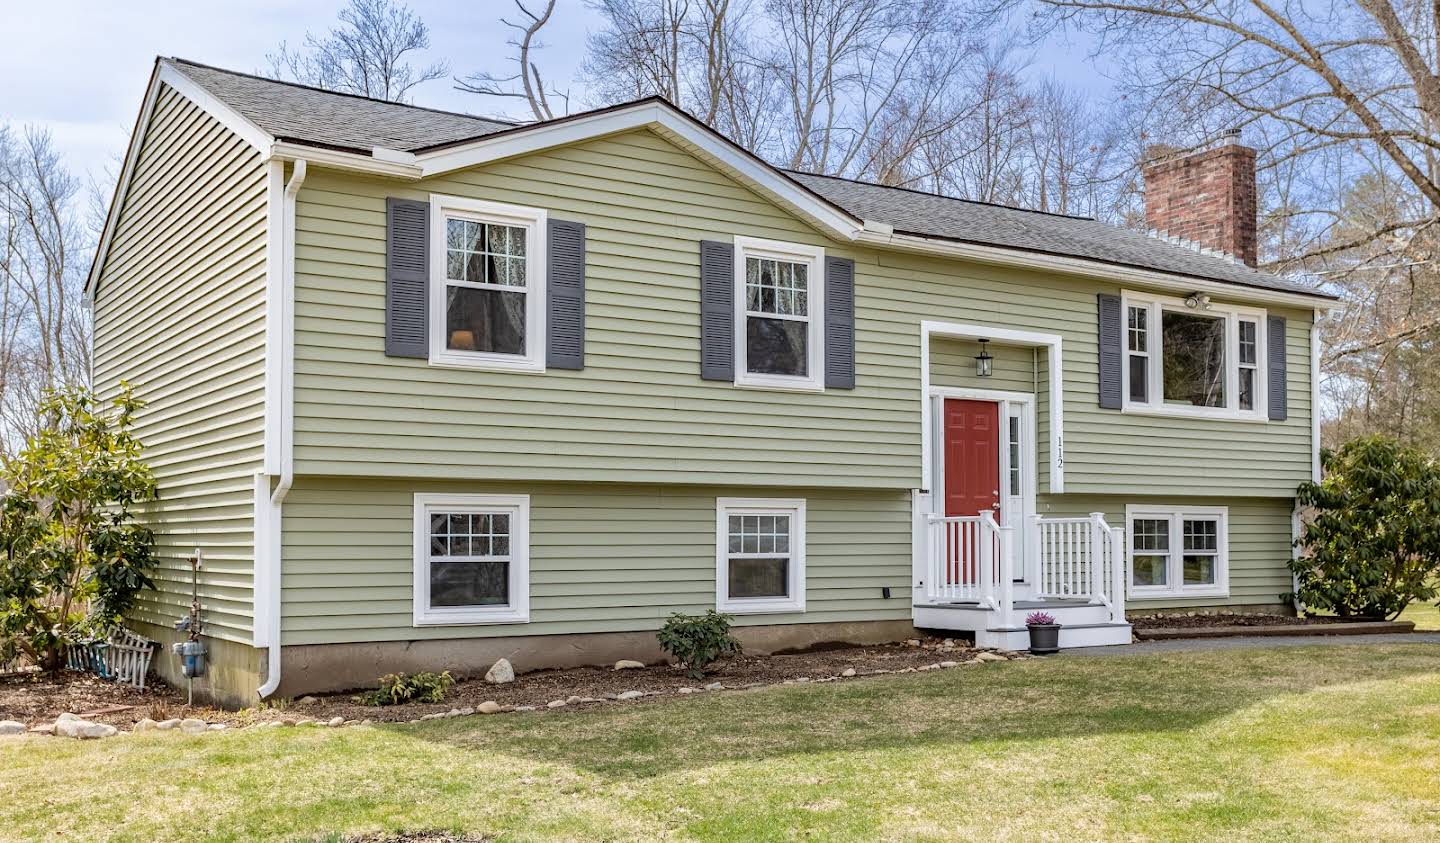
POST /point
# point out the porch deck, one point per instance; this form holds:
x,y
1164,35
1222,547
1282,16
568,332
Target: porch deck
x,y
972,575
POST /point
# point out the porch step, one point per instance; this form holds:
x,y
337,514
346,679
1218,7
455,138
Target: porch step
x,y
1071,636
1082,624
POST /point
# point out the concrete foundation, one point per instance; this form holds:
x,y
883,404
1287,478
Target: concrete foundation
x,y
314,668
233,670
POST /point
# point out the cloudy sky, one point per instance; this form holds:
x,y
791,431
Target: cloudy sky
x,y
79,67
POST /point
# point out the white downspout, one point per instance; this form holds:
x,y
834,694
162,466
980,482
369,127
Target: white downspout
x,y
287,432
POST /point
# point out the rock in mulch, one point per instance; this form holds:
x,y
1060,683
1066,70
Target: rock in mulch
x,y
192,726
500,673
629,695
12,727
629,664
69,725
488,707
986,656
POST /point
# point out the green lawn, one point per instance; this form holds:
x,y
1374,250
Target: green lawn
x,y
1425,615
1302,744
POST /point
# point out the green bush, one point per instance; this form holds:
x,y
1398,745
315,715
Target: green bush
x,y
697,641
1372,536
399,688
74,558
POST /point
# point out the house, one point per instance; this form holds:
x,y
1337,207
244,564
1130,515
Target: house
x,y
426,389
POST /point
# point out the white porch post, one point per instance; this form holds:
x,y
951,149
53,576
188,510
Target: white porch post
x,y
1117,575
1098,542
1007,573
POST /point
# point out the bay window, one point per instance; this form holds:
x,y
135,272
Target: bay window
x,y
1189,357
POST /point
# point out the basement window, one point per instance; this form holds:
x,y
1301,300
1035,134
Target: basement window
x,y
1178,551
472,559
759,555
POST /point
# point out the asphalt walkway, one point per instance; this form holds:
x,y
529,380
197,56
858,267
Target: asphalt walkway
x,y
1181,645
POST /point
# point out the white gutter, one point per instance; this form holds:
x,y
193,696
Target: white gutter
x,y
1001,256
270,515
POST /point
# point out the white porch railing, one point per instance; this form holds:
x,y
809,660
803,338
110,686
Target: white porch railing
x,y
973,559
1080,559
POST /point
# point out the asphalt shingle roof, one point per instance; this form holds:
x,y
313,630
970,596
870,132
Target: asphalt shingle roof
x,y
931,215
322,118
336,121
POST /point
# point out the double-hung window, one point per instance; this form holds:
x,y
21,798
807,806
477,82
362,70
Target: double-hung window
x,y
1178,551
487,285
1189,357
779,315
759,555
472,559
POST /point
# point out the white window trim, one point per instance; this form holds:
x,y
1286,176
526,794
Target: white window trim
x,y
1155,305
1175,573
793,507
814,258
518,611
534,221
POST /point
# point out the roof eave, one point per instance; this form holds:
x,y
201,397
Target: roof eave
x,y
1091,268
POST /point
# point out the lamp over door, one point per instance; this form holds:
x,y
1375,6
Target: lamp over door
x,y
984,363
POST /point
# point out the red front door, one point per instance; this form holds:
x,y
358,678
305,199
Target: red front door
x,y
972,456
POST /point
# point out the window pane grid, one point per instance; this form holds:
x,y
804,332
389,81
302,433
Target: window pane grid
x,y
470,535
777,288
1176,552
1138,331
485,253
757,535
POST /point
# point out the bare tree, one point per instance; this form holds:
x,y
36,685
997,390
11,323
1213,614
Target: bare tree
x,y
527,73
44,244
1342,100
366,54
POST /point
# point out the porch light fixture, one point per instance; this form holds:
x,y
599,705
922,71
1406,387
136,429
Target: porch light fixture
x,y
984,363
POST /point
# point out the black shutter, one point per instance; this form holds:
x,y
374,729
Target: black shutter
x,y
1111,356
839,323
1275,363
407,272
565,296
717,311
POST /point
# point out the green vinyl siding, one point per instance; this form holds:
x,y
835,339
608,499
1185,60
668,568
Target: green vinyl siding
x,y
639,412
1259,543
1015,369
602,558
180,313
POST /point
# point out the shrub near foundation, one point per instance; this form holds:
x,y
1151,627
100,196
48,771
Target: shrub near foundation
x,y
399,688
1372,538
696,641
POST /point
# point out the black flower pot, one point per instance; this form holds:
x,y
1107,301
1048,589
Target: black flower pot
x,y
1044,638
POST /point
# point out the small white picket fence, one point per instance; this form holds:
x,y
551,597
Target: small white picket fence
x,y
123,657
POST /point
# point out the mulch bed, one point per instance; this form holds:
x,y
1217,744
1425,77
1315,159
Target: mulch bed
x,y
1238,625
539,688
1196,620
34,698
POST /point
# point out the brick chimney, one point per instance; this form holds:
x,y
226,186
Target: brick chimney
x,y
1206,197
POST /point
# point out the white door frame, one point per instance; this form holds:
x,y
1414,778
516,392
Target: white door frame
x,y
1007,401
1054,374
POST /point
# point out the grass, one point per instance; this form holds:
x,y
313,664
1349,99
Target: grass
x,y
1425,615
1306,743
